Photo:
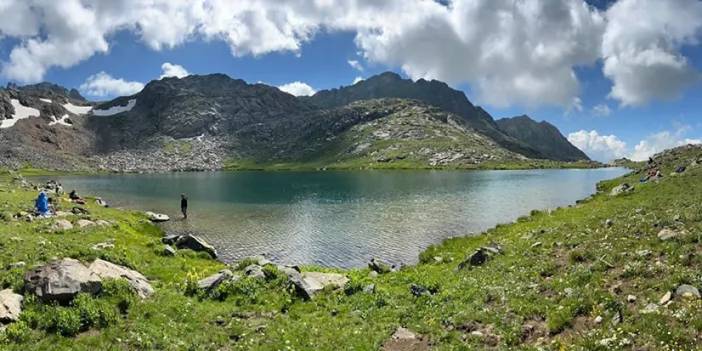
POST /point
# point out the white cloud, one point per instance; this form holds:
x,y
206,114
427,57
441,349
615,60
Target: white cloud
x,y
510,52
297,88
575,106
641,48
609,147
103,84
601,110
356,65
357,79
599,147
173,70
658,142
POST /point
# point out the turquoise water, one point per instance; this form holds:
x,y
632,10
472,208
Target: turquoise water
x,y
341,219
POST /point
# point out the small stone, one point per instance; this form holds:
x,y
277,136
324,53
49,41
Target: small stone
x,y
438,259
687,291
477,333
667,234
83,223
631,298
403,334
598,319
369,289
609,223
19,264
103,246
568,291
536,244
650,308
418,290
666,298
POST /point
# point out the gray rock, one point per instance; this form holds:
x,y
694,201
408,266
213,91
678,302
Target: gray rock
x,y
103,223
213,281
62,224
10,306
254,271
418,290
18,264
168,250
380,266
666,298
61,280
259,259
621,189
157,217
667,234
295,279
687,291
82,223
108,270
317,281
195,243
369,289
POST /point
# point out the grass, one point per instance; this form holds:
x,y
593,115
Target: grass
x,y
559,271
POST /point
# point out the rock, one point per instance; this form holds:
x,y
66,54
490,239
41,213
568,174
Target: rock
x,y
18,264
213,281
61,280
598,320
687,291
493,249
103,223
666,298
380,266
109,270
621,189
168,250
62,224
369,289
536,244
195,243
317,281
609,223
103,246
100,202
259,259
10,306
157,217
170,239
667,234
631,298
405,340
254,271
82,223
295,279
476,259
418,290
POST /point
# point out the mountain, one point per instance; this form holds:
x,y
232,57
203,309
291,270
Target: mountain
x,y
212,121
542,136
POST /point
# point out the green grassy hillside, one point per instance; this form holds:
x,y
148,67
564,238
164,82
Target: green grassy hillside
x,y
587,277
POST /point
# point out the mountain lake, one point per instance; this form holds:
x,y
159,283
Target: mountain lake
x,y
340,219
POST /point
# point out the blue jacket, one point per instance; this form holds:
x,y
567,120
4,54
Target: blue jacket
x,y
42,203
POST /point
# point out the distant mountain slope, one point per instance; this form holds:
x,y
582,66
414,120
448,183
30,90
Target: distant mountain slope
x,y
542,136
436,93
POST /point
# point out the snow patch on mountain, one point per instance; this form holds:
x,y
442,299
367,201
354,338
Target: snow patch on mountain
x,y
21,112
77,110
116,109
64,121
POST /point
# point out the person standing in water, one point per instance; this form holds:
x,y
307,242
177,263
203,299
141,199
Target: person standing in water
x,y
184,205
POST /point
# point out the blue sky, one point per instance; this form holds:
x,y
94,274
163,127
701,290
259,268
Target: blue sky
x,y
318,55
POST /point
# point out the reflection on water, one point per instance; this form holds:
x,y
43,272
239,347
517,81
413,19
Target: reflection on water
x,y
341,218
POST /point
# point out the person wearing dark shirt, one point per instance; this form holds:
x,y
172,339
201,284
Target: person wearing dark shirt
x,y
184,205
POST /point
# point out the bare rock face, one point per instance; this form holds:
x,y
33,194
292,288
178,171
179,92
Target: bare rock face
x,y
10,306
136,280
61,280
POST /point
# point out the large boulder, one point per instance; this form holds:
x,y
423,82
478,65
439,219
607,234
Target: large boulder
x,y
61,280
195,243
62,224
109,270
213,281
10,306
302,288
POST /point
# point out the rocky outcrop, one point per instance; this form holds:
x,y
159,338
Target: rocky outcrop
x,y
543,137
213,281
108,270
61,280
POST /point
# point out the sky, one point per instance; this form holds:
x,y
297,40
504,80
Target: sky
x,y
619,78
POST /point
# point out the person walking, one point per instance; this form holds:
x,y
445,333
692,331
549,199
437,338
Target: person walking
x,y
184,206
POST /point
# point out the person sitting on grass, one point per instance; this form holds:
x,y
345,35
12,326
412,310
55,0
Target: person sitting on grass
x,y
75,198
42,205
